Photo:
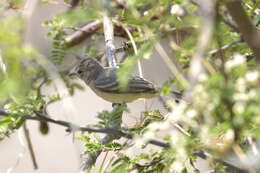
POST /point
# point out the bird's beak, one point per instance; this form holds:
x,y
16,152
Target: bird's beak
x,y
72,74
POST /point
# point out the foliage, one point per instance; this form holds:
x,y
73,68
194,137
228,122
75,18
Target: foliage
x,y
108,119
93,145
57,32
224,111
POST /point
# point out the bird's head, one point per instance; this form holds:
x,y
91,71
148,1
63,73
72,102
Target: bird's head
x,y
87,69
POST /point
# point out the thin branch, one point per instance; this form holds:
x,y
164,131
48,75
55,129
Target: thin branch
x,y
84,33
224,19
30,146
89,160
74,3
229,23
73,127
133,45
171,65
230,167
103,161
109,131
245,26
215,51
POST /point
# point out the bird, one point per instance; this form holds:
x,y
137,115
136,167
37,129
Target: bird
x,y
105,84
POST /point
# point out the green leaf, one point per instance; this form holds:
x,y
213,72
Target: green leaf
x,y
120,168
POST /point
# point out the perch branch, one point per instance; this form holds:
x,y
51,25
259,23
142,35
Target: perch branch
x,y
110,131
89,160
73,127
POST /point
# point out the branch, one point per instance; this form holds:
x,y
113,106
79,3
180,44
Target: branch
x,y
89,160
91,28
215,51
230,167
196,65
84,33
109,36
30,146
224,19
73,3
110,132
245,26
73,127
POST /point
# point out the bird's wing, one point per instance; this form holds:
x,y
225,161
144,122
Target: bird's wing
x,y
109,83
140,85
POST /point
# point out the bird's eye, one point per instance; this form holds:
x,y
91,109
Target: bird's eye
x,y
80,72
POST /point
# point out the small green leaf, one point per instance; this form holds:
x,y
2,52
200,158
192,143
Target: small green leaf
x,y
120,168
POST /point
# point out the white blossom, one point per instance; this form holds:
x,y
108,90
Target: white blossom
x,y
191,113
148,135
237,60
177,112
239,107
199,88
252,76
203,77
176,10
240,97
241,84
154,126
177,166
181,152
229,135
252,94
139,141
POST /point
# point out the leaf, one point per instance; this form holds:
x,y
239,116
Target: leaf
x,y
120,168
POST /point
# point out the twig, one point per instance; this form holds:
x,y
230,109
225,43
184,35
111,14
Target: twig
x,y
74,127
133,45
103,161
255,10
215,51
170,64
230,167
229,23
30,146
123,48
245,26
108,164
225,20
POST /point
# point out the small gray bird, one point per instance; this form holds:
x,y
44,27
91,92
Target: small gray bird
x,y
104,82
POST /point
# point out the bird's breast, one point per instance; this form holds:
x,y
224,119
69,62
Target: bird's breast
x,y
121,97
